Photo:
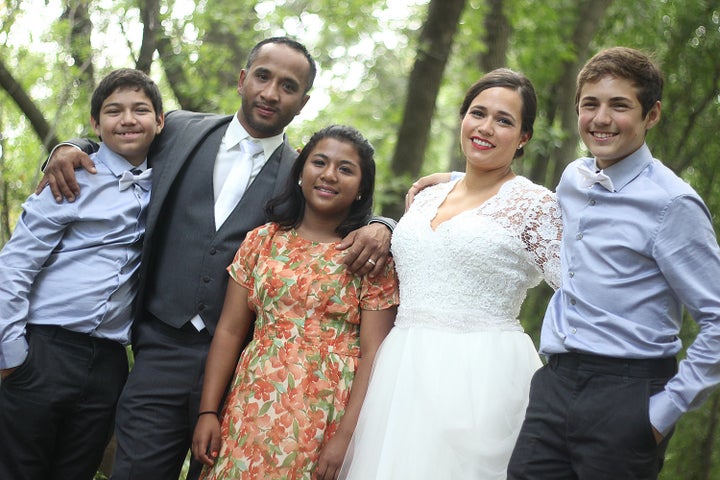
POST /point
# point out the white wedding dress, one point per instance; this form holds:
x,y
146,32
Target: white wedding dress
x,y
450,383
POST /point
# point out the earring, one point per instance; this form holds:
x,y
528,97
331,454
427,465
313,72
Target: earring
x,y
520,146
358,197
299,182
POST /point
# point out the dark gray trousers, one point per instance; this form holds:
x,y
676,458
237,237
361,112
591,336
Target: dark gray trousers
x,y
588,419
57,409
158,407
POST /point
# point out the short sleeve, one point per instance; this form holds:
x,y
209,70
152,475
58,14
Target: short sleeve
x,y
247,255
381,292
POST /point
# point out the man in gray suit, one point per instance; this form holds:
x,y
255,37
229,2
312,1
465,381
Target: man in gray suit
x,y
187,248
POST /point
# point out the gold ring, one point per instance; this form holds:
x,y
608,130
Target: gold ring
x,y
371,261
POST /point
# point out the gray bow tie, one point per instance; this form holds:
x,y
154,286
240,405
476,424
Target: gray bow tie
x,y
588,178
135,176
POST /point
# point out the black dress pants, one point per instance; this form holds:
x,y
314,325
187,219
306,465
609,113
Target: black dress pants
x,y
57,409
588,419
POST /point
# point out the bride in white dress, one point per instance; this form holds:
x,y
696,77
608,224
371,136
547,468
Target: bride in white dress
x,y
450,383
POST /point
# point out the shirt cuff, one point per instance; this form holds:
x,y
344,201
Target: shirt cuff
x,y
663,413
13,353
388,222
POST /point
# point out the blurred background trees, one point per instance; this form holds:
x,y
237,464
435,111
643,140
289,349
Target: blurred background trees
x,y
395,69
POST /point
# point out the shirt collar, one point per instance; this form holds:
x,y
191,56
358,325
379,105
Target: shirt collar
x,y
235,133
624,171
114,162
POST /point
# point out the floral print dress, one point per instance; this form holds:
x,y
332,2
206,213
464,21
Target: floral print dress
x,y
293,379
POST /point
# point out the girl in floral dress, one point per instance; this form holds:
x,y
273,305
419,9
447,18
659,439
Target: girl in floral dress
x,y
299,384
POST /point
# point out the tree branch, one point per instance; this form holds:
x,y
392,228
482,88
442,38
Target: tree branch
x,y
27,106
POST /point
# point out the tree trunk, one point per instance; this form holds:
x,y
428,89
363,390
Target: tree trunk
x,y
424,83
150,16
547,170
78,17
174,67
498,31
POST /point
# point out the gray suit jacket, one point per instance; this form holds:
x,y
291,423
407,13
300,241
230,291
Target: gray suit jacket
x,y
192,279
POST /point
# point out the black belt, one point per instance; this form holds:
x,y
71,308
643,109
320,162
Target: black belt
x,y
634,367
60,333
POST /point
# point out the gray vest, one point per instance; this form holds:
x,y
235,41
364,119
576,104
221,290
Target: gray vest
x,y
186,271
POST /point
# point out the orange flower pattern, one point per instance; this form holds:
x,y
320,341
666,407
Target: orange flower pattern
x,y
293,379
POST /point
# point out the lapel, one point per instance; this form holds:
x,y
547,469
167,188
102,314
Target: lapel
x,y
177,145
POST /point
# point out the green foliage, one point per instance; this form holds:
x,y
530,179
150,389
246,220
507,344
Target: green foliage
x,y
366,52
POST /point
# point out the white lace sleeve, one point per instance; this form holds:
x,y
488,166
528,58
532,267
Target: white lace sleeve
x,y
542,235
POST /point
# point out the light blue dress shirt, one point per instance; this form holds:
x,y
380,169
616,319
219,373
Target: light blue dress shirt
x,y
631,259
74,265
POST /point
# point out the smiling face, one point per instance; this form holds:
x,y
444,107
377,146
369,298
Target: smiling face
x,y
128,123
331,179
273,90
491,129
610,119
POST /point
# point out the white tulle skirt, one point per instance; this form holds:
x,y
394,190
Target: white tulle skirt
x,y
442,405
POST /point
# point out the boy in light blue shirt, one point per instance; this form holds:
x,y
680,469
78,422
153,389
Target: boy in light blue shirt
x,y
68,280
638,246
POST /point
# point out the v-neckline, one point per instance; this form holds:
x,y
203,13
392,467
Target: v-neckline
x,y
462,212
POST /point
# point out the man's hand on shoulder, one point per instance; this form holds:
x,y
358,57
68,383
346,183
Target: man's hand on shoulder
x,y
59,172
368,248
422,183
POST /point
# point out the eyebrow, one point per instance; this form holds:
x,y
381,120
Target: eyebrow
x,y
266,70
342,162
134,104
612,99
501,112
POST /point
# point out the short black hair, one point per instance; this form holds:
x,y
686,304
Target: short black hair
x,y
295,45
287,209
125,78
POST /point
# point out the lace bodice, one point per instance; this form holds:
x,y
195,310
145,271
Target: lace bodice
x,y
473,272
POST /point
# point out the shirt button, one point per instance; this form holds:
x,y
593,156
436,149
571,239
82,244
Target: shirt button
x,y
572,301
201,307
571,274
206,279
213,251
573,330
579,236
592,202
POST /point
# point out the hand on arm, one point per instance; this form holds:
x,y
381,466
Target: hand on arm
x,y
227,342
6,372
367,249
374,327
422,183
60,172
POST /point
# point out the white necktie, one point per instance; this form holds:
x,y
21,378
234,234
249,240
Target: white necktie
x,y
237,180
136,177
588,178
